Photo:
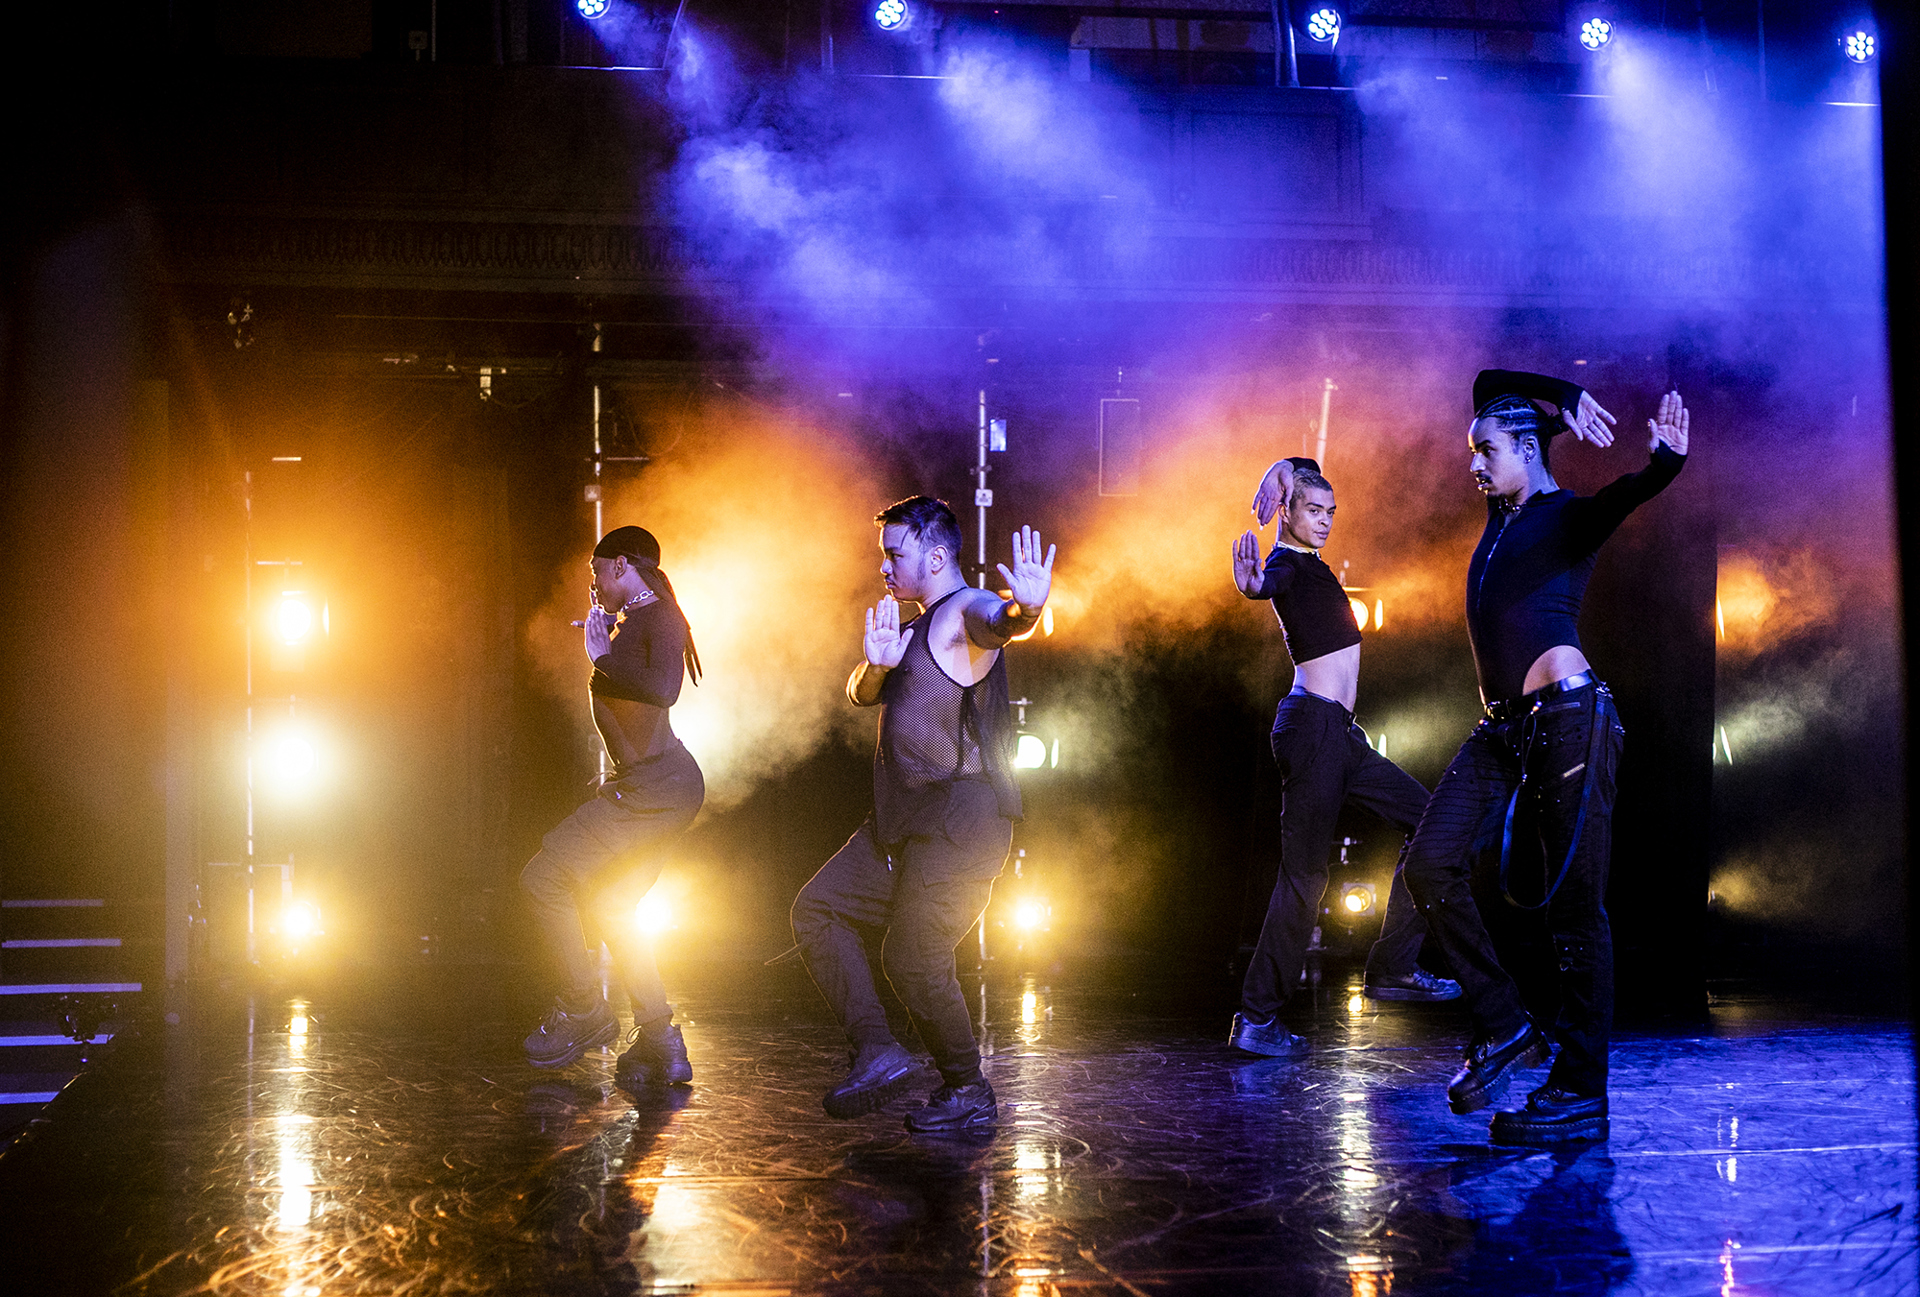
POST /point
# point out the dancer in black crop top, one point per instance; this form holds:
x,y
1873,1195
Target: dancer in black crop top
x,y
1325,761
1551,739
922,865
607,854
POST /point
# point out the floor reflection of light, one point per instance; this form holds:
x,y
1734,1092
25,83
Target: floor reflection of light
x,y
1033,1167
296,1191
1357,1004
1369,1277
297,1031
1029,1008
1353,1124
674,1205
1356,1128
1727,1288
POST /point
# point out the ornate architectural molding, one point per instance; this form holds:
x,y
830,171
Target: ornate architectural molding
x,y
228,247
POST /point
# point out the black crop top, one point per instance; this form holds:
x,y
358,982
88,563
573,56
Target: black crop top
x,y
1529,571
1315,614
647,662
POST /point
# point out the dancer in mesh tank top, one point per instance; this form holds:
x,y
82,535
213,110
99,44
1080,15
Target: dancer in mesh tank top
x,y
922,865
1325,761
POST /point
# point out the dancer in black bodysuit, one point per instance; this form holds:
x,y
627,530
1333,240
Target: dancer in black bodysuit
x,y
1325,761
607,854
922,865
1551,737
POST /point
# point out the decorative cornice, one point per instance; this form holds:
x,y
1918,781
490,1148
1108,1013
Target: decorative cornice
x,y
547,256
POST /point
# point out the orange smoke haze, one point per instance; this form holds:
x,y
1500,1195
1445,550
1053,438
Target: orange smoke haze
x,y
765,530
1161,559
1766,599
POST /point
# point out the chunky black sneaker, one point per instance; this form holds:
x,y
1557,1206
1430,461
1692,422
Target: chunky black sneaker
x,y
653,1058
1553,1116
952,1109
1490,1065
1271,1039
1417,985
876,1076
562,1037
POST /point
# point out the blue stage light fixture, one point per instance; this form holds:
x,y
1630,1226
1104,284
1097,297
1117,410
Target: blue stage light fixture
x,y
593,9
1323,24
1860,46
892,15
1596,33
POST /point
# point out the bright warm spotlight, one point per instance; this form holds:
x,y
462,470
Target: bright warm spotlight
x,y
1860,46
293,619
290,761
1359,612
653,915
1030,753
593,9
1323,25
1357,900
299,922
1596,33
891,15
1029,913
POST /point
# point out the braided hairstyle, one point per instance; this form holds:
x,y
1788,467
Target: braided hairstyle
x,y
1520,418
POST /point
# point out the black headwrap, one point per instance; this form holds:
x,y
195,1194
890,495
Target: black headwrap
x,y
638,546
628,542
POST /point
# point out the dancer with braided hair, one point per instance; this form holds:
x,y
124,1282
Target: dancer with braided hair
x,y
1551,739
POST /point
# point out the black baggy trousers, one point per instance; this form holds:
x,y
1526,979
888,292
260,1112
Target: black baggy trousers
x,y
1566,750
1324,762
926,892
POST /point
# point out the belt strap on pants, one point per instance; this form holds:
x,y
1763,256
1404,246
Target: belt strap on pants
x,y
1528,729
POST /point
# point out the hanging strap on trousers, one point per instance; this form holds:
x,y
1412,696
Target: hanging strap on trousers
x,y
1528,729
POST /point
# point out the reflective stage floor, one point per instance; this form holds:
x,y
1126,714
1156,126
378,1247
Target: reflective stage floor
x,y
388,1139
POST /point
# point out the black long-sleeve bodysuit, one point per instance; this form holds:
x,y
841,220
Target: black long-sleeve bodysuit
x,y
1530,570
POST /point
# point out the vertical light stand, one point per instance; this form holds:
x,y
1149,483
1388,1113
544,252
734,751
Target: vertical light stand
x,y
982,496
246,502
598,492
1326,413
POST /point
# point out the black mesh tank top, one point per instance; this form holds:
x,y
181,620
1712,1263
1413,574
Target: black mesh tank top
x,y
935,732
